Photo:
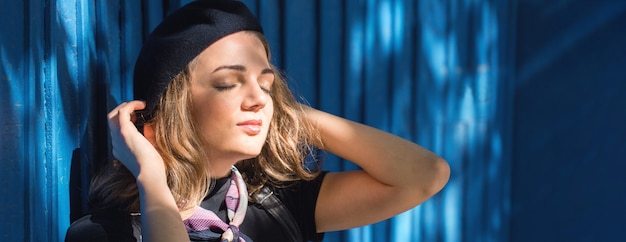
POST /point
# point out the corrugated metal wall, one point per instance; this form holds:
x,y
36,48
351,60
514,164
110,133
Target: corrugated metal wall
x,y
41,116
435,72
64,64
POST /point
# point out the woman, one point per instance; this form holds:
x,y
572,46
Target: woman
x,y
223,135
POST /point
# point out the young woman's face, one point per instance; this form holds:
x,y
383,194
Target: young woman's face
x,y
230,89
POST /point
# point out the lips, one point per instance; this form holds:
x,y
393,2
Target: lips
x,y
251,127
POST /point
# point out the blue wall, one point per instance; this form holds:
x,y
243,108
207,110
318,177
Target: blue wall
x,y
569,139
523,98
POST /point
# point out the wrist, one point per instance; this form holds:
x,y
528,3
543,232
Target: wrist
x,y
152,175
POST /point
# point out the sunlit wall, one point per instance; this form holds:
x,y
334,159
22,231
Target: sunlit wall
x,y
435,72
429,71
524,99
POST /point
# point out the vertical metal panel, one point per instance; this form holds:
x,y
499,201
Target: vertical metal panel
x,y
270,16
60,107
302,71
464,119
330,67
42,106
35,205
84,76
13,120
108,51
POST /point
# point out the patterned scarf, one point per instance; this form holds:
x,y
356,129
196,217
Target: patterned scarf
x,y
205,225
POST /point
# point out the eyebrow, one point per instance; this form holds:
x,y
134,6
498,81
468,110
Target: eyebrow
x,y
242,69
267,71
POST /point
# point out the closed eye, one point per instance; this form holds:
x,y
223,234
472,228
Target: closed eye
x,y
267,90
224,88
267,80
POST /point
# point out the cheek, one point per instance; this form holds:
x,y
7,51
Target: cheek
x,y
269,111
211,109
202,109
198,110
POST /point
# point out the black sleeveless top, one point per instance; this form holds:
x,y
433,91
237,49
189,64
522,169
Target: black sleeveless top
x,y
298,198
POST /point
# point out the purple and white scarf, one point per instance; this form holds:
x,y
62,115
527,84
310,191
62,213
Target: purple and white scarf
x,y
205,225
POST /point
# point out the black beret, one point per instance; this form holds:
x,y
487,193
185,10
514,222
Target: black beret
x,y
181,37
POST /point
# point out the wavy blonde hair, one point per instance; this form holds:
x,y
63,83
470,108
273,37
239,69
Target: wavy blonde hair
x,y
179,142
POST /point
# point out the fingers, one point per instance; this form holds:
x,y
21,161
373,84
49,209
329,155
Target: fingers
x,y
126,139
126,110
123,116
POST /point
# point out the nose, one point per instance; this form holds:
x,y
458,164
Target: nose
x,y
255,97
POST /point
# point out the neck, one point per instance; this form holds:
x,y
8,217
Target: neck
x,y
219,164
219,170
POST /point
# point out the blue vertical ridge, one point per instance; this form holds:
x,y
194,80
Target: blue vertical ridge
x,y
270,18
14,128
331,42
299,37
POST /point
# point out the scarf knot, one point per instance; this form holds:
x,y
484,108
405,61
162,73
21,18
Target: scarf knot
x,y
205,225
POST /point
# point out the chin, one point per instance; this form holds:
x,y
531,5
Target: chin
x,y
251,152
246,148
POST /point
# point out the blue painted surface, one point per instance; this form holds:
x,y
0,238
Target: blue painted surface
x,y
570,140
415,69
523,99
463,46
389,64
432,72
13,126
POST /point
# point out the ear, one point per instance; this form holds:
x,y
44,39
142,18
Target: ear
x,y
148,132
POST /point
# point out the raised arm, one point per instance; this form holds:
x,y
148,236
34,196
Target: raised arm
x,y
160,219
397,174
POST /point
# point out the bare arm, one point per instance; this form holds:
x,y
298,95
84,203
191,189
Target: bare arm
x,y
397,174
160,219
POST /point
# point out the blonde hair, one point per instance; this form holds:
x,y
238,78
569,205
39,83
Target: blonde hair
x,y
179,142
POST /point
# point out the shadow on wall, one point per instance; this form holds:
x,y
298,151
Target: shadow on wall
x,y
114,41
568,182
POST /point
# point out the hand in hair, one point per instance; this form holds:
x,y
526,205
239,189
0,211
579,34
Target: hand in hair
x,y
396,174
129,146
160,219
